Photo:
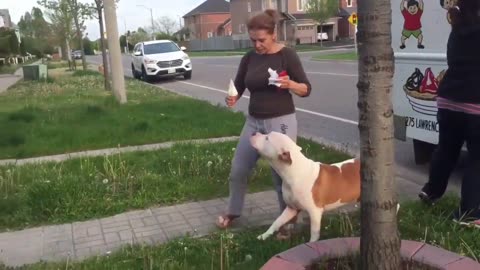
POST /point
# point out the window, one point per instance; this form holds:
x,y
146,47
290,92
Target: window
x,y
349,3
164,47
241,28
301,5
249,7
266,4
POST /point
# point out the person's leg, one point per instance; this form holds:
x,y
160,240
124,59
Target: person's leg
x,y
244,160
470,193
286,124
444,159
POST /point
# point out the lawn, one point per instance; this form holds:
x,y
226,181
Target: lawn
x,y
73,113
298,48
87,188
10,69
348,56
241,250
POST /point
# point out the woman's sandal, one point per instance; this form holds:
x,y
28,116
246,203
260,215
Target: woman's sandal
x,y
224,221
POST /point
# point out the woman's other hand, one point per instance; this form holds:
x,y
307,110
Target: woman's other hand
x,y
231,100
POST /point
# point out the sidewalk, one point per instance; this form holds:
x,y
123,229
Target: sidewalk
x,y
80,240
7,80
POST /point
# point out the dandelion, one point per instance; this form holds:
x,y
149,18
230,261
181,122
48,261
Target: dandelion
x,y
248,257
105,181
209,163
233,149
47,181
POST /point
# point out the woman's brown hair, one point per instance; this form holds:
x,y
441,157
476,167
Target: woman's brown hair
x,y
266,20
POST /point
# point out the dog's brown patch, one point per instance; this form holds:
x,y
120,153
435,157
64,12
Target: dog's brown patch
x,y
337,184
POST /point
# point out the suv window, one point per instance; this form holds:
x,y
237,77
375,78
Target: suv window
x,y
164,47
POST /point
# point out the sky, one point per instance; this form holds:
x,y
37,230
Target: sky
x,y
128,13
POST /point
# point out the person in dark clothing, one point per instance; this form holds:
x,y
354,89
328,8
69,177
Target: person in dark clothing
x,y
271,106
459,114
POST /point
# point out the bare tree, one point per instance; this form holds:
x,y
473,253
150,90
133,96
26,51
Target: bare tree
x,y
59,14
321,11
99,16
166,25
380,241
80,12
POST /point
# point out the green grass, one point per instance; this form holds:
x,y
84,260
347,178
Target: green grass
x,y
87,188
74,113
62,64
349,56
298,48
242,251
10,69
215,53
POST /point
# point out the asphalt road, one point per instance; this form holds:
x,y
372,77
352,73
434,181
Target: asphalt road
x,y
329,115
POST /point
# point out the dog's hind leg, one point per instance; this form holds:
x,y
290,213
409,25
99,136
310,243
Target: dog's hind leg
x,y
315,223
285,217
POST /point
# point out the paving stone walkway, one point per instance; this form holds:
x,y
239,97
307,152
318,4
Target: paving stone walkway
x,y
157,225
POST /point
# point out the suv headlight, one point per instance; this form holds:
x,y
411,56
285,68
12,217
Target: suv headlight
x,y
185,57
149,61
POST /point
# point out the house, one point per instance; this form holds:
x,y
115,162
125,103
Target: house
x,y
5,19
211,18
295,26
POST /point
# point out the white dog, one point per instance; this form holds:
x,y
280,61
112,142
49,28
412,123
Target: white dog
x,y
307,185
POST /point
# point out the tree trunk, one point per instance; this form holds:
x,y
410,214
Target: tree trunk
x,y
321,34
104,49
380,241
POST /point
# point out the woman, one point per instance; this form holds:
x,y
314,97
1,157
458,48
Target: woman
x,y
459,114
271,107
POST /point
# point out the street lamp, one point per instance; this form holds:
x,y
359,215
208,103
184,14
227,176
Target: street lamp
x,y
151,17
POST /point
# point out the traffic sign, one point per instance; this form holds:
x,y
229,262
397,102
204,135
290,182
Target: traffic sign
x,y
353,19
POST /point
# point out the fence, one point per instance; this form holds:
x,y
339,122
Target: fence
x,y
216,44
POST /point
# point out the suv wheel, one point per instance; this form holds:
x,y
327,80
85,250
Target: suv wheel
x,y
135,73
187,75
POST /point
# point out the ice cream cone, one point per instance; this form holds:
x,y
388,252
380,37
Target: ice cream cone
x,y
232,91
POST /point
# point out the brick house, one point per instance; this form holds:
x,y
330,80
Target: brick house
x,y
209,19
294,26
5,19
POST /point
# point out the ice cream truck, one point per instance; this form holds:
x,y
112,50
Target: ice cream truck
x,y
420,31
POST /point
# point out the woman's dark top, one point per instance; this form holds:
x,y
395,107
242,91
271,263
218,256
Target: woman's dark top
x,y
268,101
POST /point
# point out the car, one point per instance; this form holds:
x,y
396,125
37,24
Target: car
x,y
77,54
322,36
160,58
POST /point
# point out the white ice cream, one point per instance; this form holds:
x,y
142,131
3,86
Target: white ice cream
x,y
232,91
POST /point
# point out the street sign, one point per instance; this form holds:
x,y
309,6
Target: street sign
x,y
353,19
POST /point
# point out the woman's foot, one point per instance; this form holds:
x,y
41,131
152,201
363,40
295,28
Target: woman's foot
x,y
427,196
464,220
225,221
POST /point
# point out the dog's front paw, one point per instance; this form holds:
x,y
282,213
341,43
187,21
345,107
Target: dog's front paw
x,y
263,236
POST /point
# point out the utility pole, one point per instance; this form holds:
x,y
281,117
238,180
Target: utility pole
x,y
151,18
118,80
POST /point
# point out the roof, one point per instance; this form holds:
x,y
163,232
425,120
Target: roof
x,y
210,6
156,41
225,23
346,12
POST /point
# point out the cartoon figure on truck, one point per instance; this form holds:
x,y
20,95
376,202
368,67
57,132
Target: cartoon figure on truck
x,y
412,11
418,74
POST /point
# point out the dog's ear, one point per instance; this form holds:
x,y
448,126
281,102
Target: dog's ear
x,y
285,157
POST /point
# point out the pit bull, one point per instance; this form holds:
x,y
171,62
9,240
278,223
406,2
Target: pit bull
x,y
307,185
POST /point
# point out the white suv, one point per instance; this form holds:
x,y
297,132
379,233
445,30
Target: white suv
x,y
158,58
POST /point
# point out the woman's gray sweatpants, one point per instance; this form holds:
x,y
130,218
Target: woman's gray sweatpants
x,y
246,158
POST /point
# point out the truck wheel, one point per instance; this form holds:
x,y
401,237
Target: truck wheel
x,y
423,151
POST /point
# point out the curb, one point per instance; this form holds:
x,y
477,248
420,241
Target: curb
x,y
111,151
303,256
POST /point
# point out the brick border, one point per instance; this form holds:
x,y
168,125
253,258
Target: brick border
x,y
302,256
